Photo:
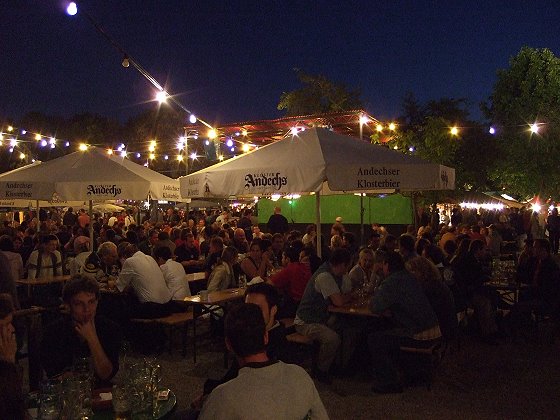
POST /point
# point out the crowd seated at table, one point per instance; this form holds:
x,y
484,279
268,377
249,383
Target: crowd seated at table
x,y
413,287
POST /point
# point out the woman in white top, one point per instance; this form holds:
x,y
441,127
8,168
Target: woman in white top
x,y
45,261
222,276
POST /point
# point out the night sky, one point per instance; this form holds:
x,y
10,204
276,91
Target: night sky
x,y
230,61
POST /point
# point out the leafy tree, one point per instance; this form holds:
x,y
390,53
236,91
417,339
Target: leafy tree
x,y
527,92
318,95
424,130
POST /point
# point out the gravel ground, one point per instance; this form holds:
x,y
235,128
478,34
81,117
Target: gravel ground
x,y
481,381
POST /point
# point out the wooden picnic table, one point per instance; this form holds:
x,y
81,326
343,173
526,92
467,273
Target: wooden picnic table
x,y
352,309
216,303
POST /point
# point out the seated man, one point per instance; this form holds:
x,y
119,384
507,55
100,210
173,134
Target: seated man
x,y
291,280
413,322
265,297
82,334
264,388
187,255
102,264
240,241
141,274
313,318
362,275
173,273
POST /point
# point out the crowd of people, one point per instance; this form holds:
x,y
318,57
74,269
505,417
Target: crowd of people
x,y
415,284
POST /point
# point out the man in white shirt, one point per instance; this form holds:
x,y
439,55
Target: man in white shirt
x,y
173,273
264,388
141,274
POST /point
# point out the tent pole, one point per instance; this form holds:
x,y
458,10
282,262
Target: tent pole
x,y
361,219
318,221
91,226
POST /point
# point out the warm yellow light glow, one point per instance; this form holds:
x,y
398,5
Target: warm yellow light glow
x,y
244,132
396,147
245,148
392,126
1,136
275,197
152,156
534,128
212,134
109,151
221,157
10,128
22,156
180,158
37,137
363,119
161,96
454,131
13,142
536,207
379,127
83,147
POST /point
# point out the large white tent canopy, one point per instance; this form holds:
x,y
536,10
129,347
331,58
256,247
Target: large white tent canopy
x,y
87,175
317,160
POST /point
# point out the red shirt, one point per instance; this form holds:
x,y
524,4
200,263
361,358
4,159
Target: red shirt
x,y
292,279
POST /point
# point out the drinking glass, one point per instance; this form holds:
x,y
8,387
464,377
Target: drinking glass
x,y
49,400
121,402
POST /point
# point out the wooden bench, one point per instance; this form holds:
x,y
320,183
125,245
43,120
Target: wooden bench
x,y
172,322
431,356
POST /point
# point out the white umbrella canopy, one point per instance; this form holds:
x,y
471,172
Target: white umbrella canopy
x,y
317,160
107,208
88,175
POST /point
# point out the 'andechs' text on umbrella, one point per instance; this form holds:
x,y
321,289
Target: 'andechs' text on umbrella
x,y
111,190
265,180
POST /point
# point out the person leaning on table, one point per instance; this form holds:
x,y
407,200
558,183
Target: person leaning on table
x,y
222,276
81,334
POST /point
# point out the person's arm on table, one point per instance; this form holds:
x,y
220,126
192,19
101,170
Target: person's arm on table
x,y
101,363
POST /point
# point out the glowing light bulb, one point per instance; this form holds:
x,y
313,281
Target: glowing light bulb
x,y
22,155
67,144
221,157
180,158
152,156
454,131
83,147
534,128
379,127
207,142
10,128
53,145
244,132
72,9
294,131
123,153
392,126
161,96
37,137
212,134
193,155
229,143
363,119
13,142
109,151
137,155
192,119
492,130
43,143
245,148
166,157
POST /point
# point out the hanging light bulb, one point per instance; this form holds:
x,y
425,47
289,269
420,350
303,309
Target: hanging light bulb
x,y
125,62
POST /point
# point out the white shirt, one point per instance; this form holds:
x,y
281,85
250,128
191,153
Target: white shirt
x,y
142,273
176,280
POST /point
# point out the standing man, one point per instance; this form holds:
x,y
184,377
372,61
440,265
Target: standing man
x,y
83,334
313,318
69,219
258,391
277,223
